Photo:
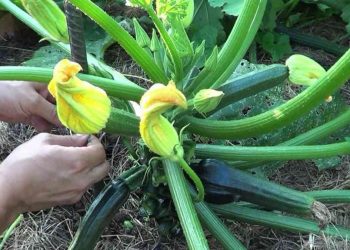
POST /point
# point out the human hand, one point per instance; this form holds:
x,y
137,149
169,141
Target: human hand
x,y
29,103
50,170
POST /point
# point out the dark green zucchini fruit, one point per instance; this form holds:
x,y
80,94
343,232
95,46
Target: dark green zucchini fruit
x,y
99,215
224,184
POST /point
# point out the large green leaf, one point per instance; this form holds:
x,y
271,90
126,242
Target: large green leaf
x,y
228,6
206,25
346,16
277,45
46,57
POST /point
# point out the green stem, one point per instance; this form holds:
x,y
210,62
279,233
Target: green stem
x,y
121,88
217,228
122,123
253,53
278,117
184,206
194,177
34,25
278,221
331,196
116,31
235,47
312,41
9,231
310,137
272,153
288,7
168,42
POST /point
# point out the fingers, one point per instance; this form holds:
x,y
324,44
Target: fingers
x,y
68,140
82,152
44,92
40,124
98,173
46,110
91,155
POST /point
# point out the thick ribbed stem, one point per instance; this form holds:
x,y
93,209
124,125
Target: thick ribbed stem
x,y
312,41
125,40
184,206
169,44
331,196
122,123
217,227
273,153
309,137
278,221
278,117
235,47
121,87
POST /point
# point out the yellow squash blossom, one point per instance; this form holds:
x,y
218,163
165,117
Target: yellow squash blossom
x,y
156,131
81,107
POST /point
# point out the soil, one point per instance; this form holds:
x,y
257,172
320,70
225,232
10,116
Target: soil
x,y
55,228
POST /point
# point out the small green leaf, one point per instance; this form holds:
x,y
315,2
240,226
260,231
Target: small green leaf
x,y
99,47
270,16
346,16
212,61
206,25
180,38
328,162
293,19
141,36
276,45
128,225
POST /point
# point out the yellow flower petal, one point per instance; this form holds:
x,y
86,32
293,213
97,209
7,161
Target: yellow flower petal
x,y
81,106
156,131
160,136
160,98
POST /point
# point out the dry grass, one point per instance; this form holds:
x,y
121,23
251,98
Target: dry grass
x,y
55,228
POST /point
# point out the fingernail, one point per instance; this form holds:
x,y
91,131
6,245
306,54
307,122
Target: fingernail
x,y
83,136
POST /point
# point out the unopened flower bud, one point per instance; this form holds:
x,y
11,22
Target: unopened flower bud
x,y
303,70
207,100
50,16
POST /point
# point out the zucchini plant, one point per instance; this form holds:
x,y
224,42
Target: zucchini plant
x,y
182,119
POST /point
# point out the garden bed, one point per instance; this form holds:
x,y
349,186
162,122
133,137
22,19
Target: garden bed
x,y
55,228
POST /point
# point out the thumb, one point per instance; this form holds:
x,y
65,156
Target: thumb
x,y
47,111
69,140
